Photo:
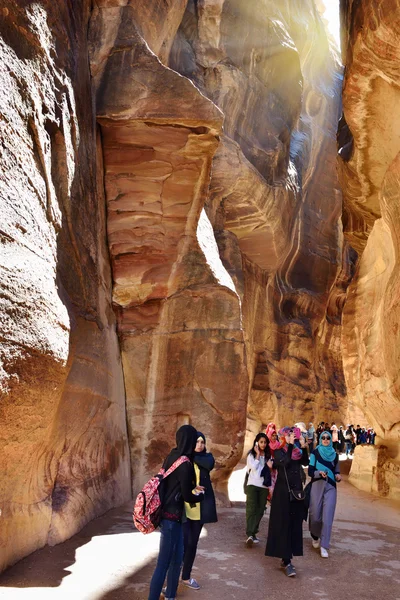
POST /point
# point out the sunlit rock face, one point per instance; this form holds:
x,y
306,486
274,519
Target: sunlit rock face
x,y
179,314
230,108
274,197
63,444
370,174
374,470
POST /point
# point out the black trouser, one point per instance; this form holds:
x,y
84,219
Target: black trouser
x,y
191,534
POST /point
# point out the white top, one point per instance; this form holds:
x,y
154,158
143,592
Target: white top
x,y
255,467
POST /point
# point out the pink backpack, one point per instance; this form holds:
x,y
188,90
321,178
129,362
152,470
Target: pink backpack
x,y
147,507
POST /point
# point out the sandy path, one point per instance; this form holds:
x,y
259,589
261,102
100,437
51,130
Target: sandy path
x,y
108,560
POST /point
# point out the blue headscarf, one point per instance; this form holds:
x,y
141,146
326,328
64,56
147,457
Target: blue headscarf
x,y
328,453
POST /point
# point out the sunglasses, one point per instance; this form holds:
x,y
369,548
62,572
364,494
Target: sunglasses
x,y
325,437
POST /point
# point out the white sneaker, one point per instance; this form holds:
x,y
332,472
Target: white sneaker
x,y
315,543
250,541
324,552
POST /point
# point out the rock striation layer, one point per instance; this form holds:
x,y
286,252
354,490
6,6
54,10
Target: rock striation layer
x,y
370,175
223,216
274,197
187,147
63,442
179,314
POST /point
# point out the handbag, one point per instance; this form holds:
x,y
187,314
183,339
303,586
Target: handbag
x,y
246,479
294,495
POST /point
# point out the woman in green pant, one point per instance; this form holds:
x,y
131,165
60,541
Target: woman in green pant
x,y
258,468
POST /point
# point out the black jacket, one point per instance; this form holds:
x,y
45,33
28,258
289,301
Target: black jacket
x,y
285,532
208,511
177,487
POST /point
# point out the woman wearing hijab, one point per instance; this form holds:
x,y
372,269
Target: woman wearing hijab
x,y
285,532
274,444
335,437
175,490
198,514
324,473
271,428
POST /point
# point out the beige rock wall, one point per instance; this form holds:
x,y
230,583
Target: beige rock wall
x,y
179,314
231,312
63,442
373,470
370,174
274,195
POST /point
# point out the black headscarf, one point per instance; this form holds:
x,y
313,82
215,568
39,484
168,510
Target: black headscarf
x,y
186,438
199,434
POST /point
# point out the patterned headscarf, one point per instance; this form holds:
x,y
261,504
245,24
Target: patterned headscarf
x,y
296,452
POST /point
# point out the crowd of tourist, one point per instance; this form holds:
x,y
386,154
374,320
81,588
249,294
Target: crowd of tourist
x,y
276,469
344,439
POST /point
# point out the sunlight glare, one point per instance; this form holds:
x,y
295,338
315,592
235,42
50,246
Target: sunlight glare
x,y
331,15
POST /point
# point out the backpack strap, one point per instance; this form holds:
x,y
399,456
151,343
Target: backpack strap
x,y
176,464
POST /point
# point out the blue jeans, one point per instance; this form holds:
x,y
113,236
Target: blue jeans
x,y
169,560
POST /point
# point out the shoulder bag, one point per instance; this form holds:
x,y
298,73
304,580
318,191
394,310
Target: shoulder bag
x,y
294,495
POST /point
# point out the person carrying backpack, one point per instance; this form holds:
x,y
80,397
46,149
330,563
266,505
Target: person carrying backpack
x,y
175,490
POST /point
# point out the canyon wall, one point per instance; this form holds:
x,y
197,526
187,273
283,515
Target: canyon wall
x,y
179,314
370,174
64,455
218,122
171,243
274,199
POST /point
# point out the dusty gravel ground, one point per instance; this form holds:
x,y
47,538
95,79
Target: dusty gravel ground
x,y
109,560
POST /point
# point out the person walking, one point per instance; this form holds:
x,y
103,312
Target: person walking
x,y
274,444
324,472
310,436
174,491
335,437
342,441
363,436
285,532
348,437
258,467
198,514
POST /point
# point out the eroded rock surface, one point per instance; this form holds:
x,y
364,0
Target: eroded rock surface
x,y
63,443
215,313
179,314
274,187
215,158
370,176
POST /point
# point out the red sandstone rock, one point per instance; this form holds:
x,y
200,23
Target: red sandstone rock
x,y
370,177
283,210
217,145
63,442
178,311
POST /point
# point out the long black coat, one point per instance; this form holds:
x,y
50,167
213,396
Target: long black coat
x,y
285,531
205,461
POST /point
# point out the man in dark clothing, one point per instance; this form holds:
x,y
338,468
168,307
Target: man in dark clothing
x,y
358,434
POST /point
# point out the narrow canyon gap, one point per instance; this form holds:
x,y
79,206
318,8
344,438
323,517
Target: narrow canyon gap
x,y
182,243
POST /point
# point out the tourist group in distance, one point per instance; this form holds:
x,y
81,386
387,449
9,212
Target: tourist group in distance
x,y
180,499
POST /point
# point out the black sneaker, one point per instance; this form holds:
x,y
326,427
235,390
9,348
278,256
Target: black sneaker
x,y
255,540
290,570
